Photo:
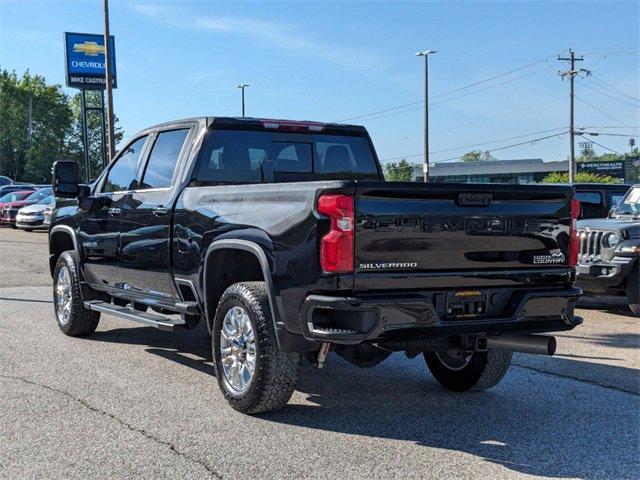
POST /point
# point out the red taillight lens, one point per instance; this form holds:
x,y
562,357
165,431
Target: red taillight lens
x,y
336,247
574,241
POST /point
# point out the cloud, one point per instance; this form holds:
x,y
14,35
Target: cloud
x,y
281,35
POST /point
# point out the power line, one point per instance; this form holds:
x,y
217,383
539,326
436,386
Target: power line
x,y
584,84
495,85
611,88
484,143
600,134
389,112
497,141
450,91
602,146
617,126
604,113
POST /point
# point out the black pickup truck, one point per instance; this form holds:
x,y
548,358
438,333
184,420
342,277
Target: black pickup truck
x,y
285,239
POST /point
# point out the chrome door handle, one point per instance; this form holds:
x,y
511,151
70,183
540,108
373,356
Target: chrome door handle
x,y
160,211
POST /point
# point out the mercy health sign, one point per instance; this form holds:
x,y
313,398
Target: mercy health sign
x,y
84,59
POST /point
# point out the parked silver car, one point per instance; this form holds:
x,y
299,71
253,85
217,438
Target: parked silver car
x,y
32,216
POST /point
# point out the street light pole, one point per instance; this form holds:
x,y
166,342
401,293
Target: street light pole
x,y
425,166
242,86
111,145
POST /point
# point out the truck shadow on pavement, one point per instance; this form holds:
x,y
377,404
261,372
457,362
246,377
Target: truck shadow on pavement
x,y
191,348
531,423
536,421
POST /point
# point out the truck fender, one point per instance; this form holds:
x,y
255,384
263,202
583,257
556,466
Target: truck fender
x,y
56,231
287,341
258,252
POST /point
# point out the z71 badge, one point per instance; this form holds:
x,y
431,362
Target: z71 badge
x,y
555,256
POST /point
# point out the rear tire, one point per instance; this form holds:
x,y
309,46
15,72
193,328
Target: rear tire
x,y
633,291
478,371
73,319
253,375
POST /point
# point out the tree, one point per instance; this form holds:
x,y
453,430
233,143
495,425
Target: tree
x,y
472,156
34,119
399,172
31,142
581,177
73,147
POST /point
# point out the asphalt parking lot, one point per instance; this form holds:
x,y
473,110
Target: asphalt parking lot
x,y
131,401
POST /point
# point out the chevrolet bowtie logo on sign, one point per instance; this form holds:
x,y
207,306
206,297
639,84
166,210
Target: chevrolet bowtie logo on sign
x,y
89,48
85,60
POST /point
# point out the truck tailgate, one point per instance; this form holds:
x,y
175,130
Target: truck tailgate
x,y
440,228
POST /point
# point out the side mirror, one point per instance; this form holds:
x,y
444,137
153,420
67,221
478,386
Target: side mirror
x,y
65,179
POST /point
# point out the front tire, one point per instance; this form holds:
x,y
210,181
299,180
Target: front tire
x,y
73,319
476,371
633,291
253,375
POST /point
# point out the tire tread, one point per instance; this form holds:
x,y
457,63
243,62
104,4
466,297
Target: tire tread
x,y
82,321
276,374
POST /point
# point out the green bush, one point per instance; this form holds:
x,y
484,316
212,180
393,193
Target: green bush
x,y
581,177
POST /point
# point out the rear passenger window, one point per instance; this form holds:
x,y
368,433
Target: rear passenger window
x,y
124,173
589,197
344,157
163,159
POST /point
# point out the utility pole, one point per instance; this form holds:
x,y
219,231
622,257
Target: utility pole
x,y
425,166
242,86
111,144
571,74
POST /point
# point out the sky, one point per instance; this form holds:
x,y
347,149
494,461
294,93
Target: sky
x,y
493,82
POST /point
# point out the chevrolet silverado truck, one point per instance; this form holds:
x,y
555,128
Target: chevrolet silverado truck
x,y
285,239
609,258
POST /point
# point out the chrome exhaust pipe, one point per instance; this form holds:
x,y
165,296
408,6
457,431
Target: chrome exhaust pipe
x,y
536,344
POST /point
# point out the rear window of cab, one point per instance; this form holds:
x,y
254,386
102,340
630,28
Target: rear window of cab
x,y
245,156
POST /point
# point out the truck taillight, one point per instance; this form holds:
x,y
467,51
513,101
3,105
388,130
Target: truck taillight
x,y
336,247
574,241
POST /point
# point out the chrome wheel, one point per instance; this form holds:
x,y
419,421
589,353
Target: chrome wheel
x,y
454,360
237,351
64,297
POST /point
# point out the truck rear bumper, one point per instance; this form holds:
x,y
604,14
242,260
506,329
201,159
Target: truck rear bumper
x,y
352,320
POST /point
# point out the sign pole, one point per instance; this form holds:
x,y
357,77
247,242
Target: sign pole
x,y
103,130
85,134
111,150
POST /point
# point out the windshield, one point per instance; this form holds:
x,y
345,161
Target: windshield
x,y
46,201
14,197
630,204
39,194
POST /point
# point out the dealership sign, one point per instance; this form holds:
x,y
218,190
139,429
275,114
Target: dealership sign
x,y
85,60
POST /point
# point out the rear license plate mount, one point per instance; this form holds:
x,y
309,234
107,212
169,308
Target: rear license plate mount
x,y
466,304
